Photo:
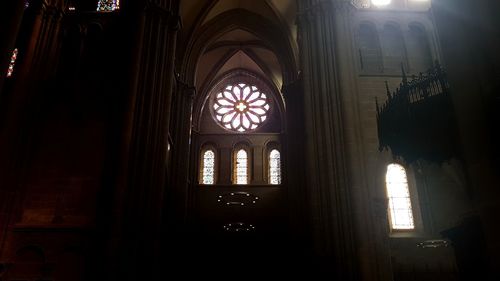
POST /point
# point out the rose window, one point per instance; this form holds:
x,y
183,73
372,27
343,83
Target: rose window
x,y
241,107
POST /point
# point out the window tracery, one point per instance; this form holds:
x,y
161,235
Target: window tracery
x,y
241,167
274,167
108,5
208,167
240,107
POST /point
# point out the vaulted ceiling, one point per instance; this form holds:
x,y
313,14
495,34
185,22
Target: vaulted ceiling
x,y
219,36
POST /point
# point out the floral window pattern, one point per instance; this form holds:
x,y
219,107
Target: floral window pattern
x,y
241,167
241,107
208,167
12,63
108,5
400,210
274,167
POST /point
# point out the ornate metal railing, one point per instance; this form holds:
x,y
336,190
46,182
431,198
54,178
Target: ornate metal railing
x,y
418,121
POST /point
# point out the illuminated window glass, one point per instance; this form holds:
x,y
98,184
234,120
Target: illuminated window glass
x,y
274,167
241,107
108,5
400,211
241,167
208,167
12,63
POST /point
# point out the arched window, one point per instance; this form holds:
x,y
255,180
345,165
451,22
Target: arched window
x,y
208,167
400,210
370,53
240,173
12,63
393,49
274,167
419,51
108,5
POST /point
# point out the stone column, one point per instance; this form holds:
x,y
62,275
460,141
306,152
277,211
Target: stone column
x,y
369,217
293,159
328,186
150,30
178,195
16,127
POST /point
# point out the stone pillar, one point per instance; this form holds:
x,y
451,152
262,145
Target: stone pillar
x,y
369,218
150,30
294,158
328,186
16,127
178,194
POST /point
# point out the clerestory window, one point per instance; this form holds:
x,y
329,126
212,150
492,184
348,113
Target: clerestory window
x,y
274,167
398,193
208,167
240,172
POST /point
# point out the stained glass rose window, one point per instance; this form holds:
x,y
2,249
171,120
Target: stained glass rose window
x,y
241,107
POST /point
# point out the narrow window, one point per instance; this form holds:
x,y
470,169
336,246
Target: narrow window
x,y
108,5
274,167
12,63
208,167
241,167
370,53
400,210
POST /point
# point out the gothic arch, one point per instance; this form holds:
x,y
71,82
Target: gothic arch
x,y
228,21
201,99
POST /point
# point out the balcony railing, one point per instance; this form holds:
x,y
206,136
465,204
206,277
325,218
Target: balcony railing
x,y
418,120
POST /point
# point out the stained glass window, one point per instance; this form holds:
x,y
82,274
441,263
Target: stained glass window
x,y
12,63
208,167
241,167
108,5
241,107
274,167
400,210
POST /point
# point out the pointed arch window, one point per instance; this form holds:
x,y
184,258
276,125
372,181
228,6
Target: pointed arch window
x,y
12,63
274,167
398,193
208,167
240,173
108,5
370,52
